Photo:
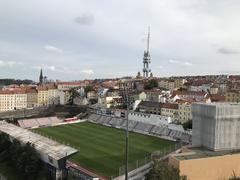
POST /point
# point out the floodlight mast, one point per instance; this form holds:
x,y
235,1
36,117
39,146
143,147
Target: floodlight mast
x,y
126,145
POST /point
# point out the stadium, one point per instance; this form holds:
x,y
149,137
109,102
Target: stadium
x,y
100,142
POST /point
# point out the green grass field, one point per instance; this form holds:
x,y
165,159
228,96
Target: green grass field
x,y
102,148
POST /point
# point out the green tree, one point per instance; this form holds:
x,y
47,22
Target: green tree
x,y
152,83
23,158
87,89
162,171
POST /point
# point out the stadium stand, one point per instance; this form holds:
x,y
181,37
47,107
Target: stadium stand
x,y
37,122
101,119
186,137
94,117
116,122
131,124
171,130
143,127
28,123
106,120
43,121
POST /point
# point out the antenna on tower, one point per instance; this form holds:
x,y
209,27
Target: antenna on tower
x,y
148,39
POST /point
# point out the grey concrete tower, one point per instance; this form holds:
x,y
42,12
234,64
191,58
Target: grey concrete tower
x,y
147,58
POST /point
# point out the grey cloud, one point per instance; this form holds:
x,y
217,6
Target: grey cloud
x,y
227,51
85,19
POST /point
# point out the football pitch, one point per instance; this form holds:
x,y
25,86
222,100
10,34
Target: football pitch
x,y
102,149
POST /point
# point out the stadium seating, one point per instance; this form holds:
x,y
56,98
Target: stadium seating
x,y
47,121
185,137
43,121
116,122
21,124
28,123
94,117
106,120
131,124
140,126
54,120
173,131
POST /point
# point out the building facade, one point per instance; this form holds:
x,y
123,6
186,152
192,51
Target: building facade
x,y
13,100
216,126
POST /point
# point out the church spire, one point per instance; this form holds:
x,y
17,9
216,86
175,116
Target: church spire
x,y
41,78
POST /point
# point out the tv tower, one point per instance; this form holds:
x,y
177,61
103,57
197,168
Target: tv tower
x,y
147,58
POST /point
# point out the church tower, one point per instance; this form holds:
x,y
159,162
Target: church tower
x,y
147,58
41,78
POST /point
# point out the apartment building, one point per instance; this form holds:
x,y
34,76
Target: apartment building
x,y
232,96
166,84
31,97
170,110
47,95
184,111
13,99
53,95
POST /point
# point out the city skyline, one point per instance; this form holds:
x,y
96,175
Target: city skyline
x,y
78,39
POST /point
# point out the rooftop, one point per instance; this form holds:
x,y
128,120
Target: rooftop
x,y
44,145
201,152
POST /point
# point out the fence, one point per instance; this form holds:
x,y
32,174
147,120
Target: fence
x,y
149,157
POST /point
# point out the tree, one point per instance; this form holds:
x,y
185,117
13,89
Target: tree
x,y
162,171
87,89
73,94
187,125
23,158
152,83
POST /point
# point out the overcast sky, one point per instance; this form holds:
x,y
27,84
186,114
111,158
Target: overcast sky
x,y
78,39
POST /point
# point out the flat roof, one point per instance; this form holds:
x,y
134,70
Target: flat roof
x,y
42,144
201,152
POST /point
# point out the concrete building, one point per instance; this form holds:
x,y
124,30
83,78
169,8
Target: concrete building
x,y
215,150
216,126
